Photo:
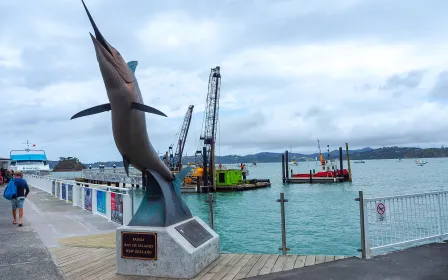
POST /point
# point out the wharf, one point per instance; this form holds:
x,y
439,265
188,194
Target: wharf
x,y
83,245
60,241
231,188
305,180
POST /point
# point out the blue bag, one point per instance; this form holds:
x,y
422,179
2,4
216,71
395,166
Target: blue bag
x,y
10,190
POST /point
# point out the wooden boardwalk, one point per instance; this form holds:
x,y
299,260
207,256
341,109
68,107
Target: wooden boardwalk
x,y
93,257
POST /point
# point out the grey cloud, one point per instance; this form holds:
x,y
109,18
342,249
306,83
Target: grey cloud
x,y
440,90
411,79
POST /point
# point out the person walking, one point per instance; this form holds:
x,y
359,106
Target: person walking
x,y
22,192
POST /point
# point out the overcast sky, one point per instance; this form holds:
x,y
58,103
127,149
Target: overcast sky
x,y
367,72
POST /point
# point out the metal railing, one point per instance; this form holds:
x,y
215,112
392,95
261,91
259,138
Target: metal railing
x,y
114,204
395,222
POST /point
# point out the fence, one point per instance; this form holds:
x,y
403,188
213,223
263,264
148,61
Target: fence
x,y
114,204
390,223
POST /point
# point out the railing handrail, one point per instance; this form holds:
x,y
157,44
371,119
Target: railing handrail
x,y
404,196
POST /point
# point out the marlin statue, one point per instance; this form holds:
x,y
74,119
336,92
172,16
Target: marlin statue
x,y
163,204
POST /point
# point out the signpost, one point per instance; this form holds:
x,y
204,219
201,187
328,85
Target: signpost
x,y
380,212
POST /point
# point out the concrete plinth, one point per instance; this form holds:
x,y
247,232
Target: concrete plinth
x,y
167,251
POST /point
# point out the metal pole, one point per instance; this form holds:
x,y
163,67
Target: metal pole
x,y
283,168
132,201
348,163
362,224
210,207
282,201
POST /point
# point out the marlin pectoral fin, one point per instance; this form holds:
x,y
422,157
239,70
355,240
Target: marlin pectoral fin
x,y
92,111
132,65
146,108
126,165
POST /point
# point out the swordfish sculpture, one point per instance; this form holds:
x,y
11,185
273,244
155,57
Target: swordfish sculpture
x,y
162,204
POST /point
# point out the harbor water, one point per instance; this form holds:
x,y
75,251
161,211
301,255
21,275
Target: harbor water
x,y
321,219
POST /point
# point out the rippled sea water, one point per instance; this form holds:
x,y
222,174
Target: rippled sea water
x,y
321,219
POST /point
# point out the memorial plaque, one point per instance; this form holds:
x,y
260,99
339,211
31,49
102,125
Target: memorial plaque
x,y
194,233
139,245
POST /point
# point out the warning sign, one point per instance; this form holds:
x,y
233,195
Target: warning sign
x,y
381,212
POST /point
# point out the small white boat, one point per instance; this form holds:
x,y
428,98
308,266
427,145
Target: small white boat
x,y
420,162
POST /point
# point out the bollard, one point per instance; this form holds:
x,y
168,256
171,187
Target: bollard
x,y
282,201
210,207
311,177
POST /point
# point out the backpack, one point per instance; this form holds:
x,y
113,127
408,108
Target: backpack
x,y
10,190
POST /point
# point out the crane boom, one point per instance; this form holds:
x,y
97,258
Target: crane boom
x,y
208,135
175,161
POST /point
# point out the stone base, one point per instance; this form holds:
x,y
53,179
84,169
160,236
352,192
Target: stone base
x,y
176,257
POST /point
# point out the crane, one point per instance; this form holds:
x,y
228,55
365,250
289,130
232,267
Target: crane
x,y
208,132
175,160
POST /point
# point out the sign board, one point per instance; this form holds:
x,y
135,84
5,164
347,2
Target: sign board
x,y
139,245
194,233
380,212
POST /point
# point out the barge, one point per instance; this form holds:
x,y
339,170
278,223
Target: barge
x,y
227,180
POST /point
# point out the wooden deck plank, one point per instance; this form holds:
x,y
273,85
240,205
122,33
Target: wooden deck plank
x,y
80,255
269,265
101,267
100,264
279,264
290,262
226,268
247,267
237,267
258,266
207,269
212,272
86,259
310,260
300,261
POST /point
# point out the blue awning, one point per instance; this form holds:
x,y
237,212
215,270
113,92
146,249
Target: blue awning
x,y
28,157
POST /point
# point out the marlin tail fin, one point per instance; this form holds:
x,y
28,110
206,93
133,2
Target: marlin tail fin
x,y
180,177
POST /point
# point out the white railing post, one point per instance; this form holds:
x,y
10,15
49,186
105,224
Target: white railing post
x,y
439,217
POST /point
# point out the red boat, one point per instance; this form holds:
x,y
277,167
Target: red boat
x,y
328,169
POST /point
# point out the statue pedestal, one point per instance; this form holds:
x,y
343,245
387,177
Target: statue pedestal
x,y
178,251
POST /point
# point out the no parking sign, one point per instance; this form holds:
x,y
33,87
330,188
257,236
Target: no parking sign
x,y
380,212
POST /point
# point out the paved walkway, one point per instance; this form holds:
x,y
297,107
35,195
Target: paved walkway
x,y
22,254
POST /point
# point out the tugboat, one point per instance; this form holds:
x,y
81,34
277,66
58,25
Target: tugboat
x,y
29,160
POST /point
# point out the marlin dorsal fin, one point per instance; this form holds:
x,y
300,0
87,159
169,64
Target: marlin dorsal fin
x,y
133,65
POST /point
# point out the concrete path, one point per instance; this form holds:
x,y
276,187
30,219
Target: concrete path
x,y
428,262
22,254
53,218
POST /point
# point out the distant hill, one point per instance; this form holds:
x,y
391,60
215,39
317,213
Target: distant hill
x,y
360,154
